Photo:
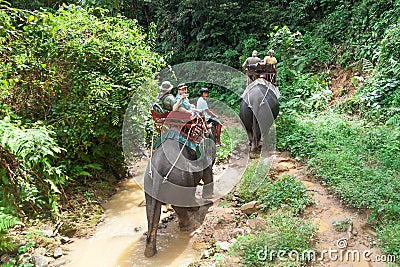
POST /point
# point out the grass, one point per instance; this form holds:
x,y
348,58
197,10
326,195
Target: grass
x,y
282,202
231,137
360,163
286,235
287,193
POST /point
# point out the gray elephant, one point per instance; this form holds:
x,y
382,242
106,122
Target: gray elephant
x,y
258,110
172,174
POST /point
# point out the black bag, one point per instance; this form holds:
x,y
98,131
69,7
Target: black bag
x,y
158,106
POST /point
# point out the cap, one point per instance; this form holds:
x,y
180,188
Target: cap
x,y
182,85
203,90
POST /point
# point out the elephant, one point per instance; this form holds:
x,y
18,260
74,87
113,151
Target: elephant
x,y
172,174
258,110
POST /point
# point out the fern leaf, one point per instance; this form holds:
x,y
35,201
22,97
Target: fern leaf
x,y
7,221
367,65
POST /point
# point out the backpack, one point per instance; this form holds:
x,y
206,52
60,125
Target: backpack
x,y
158,106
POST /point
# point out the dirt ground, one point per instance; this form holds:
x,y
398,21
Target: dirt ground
x,y
221,225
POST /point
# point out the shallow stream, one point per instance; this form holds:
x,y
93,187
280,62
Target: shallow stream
x,y
119,240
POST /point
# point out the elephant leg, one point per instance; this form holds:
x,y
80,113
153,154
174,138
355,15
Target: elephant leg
x,y
250,136
153,210
208,187
246,116
185,223
256,141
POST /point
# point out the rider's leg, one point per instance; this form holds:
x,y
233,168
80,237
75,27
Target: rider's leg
x,y
218,137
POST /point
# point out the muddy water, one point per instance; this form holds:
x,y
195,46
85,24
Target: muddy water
x,y
120,239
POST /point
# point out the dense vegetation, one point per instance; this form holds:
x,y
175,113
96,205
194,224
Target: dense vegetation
x,y
67,75
66,79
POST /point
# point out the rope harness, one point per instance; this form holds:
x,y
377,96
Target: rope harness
x,y
180,153
188,134
263,99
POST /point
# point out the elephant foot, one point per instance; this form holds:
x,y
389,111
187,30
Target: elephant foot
x,y
259,145
254,155
186,226
150,250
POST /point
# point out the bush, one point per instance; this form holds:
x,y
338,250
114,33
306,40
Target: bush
x,y
379,96
76,70
286,193
31,182
6,221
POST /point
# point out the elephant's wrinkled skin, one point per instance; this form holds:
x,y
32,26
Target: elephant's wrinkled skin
x,y
258,110
179,187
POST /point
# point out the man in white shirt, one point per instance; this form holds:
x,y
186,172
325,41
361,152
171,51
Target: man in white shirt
x,y
209,115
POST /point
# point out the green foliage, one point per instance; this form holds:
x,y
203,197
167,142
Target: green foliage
x,y
284,234
76,70
390,236
6,222
342,225
254,175
31,178
231,137
379,96
301,91
286,193
352,159
305,93
308,36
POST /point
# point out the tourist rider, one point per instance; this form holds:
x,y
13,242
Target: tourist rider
x,y
210,116
270,60
165,100
181,102
253,60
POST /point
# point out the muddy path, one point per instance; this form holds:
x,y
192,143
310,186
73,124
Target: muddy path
x,y
119,240
343,231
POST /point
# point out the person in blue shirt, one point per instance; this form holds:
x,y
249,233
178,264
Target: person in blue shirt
x,y
181,101
209,115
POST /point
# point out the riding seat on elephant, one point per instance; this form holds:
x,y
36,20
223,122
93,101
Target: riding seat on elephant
x,y
259,70
190,126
